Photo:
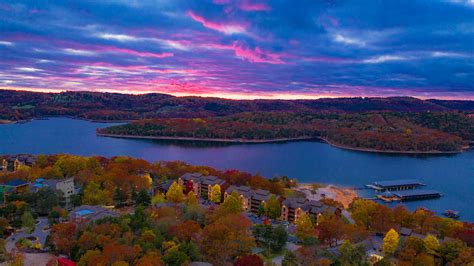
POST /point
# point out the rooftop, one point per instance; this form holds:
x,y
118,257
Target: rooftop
x,y
16,183
399,182
416,192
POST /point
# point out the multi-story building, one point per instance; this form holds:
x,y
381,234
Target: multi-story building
x,y
251,198
201,185
13,163
294,208
245,194
65,186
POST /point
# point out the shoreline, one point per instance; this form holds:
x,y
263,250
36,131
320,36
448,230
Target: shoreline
x,y
243,141
205,139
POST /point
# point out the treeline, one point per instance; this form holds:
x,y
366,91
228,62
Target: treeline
x,y
385,131
177,229
18,105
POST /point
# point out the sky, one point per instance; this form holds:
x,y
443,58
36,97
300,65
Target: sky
x,y
241,49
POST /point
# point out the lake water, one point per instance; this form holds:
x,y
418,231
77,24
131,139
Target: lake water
x,y
307,161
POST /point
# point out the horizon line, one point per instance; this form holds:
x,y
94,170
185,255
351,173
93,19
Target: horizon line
x,y
247,96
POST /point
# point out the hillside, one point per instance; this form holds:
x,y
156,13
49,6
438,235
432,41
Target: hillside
x,y
18,105
372,131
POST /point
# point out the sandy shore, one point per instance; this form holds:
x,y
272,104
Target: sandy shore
x,y
342,195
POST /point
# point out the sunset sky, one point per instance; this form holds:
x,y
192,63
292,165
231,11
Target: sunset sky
x,y
241,49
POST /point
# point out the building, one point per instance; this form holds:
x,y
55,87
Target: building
x,y
65,186
293,208
245,194
201,185
251,198
86,213
13,163
15,186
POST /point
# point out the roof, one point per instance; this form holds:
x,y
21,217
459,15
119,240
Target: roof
x,y
16,183
91,212
212,180
241,190
189,176
416,192
405,231
399,182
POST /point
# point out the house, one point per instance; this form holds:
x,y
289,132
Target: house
x,y
251,198
373,248
86,213
207,183
65,186
16,186
13,163
293,208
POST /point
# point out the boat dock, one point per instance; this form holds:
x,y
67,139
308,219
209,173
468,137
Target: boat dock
x,y
409,195
396,185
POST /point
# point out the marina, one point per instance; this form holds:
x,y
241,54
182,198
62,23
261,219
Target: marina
x,y
409,195
394,185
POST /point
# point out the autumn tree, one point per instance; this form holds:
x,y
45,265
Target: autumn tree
x,y
175,193
249,260
232,204
226,238
331,229
273,208
216,194
95,195
158,198
63,236
390,242
304,227
273,238
431,244
191,199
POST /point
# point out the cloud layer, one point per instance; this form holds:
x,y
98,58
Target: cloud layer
x,y
240,48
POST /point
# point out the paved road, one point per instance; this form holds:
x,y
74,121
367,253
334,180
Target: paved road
x,y
39,233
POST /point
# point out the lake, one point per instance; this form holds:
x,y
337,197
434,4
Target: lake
x,y
452,175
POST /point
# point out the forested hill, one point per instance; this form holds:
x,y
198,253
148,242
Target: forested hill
x,y
414,132
18,105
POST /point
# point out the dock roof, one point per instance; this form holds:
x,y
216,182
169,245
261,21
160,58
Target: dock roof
x,y
416,192
399,182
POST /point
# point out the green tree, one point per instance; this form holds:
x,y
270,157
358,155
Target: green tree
x,y
273,208
119,196
289,259
175,193
352,255
273,239
28,222
175,258
216,194
390,242
304,227
46,199
143,198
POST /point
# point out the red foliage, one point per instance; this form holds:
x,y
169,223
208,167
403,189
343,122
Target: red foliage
x,y
249,260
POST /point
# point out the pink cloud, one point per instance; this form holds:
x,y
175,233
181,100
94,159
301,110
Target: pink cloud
x,y
256,55
232,28
247,5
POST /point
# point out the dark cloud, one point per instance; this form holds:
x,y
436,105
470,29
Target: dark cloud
x,y
240,48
